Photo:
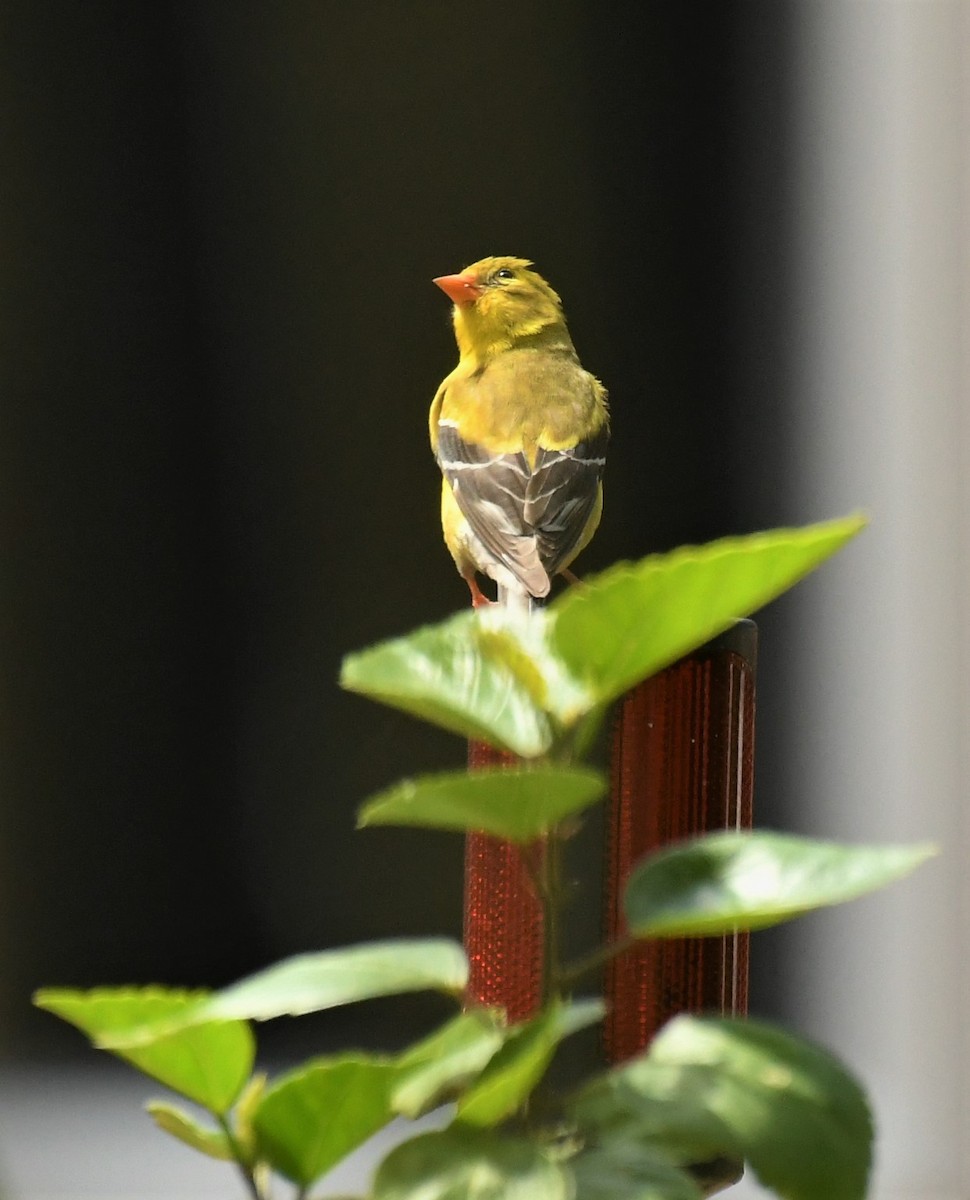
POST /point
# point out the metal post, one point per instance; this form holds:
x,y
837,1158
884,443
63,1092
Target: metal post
x,y
503,916
682,759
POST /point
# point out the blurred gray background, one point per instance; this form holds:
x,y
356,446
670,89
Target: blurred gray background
x,y
218,342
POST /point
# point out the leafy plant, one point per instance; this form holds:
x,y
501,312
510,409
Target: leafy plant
x,y
671,1124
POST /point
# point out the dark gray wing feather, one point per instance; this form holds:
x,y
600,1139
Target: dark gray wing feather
x,y
529,518
491,493
561,496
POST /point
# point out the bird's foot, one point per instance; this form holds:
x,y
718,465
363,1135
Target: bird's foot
x,y
479,599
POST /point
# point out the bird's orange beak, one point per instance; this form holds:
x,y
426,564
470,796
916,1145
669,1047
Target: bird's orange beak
x,y
462,289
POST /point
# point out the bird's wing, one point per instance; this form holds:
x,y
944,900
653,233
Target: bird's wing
x,y
492,493
561,496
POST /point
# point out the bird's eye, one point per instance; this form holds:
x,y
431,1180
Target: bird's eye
x,y
504,273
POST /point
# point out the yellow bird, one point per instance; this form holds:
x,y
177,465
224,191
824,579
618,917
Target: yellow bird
x,y
519,430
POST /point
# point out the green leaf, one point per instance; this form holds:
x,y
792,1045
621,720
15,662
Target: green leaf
x,y
209,1062
710,1087
634,619
726,881
442,674
310,1119
623,1169
578,1015
469,1164
519,681
431,1071
187,1129
521,641
515,1070
313,982
516,804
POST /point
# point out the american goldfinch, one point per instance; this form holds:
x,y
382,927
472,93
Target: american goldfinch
x,y
519,430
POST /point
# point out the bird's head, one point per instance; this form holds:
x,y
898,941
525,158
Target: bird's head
x,y
500,303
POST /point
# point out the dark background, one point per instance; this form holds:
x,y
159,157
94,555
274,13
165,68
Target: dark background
x,y
218,343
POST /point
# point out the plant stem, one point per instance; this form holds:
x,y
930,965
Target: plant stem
x,y
597,958
239,1158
